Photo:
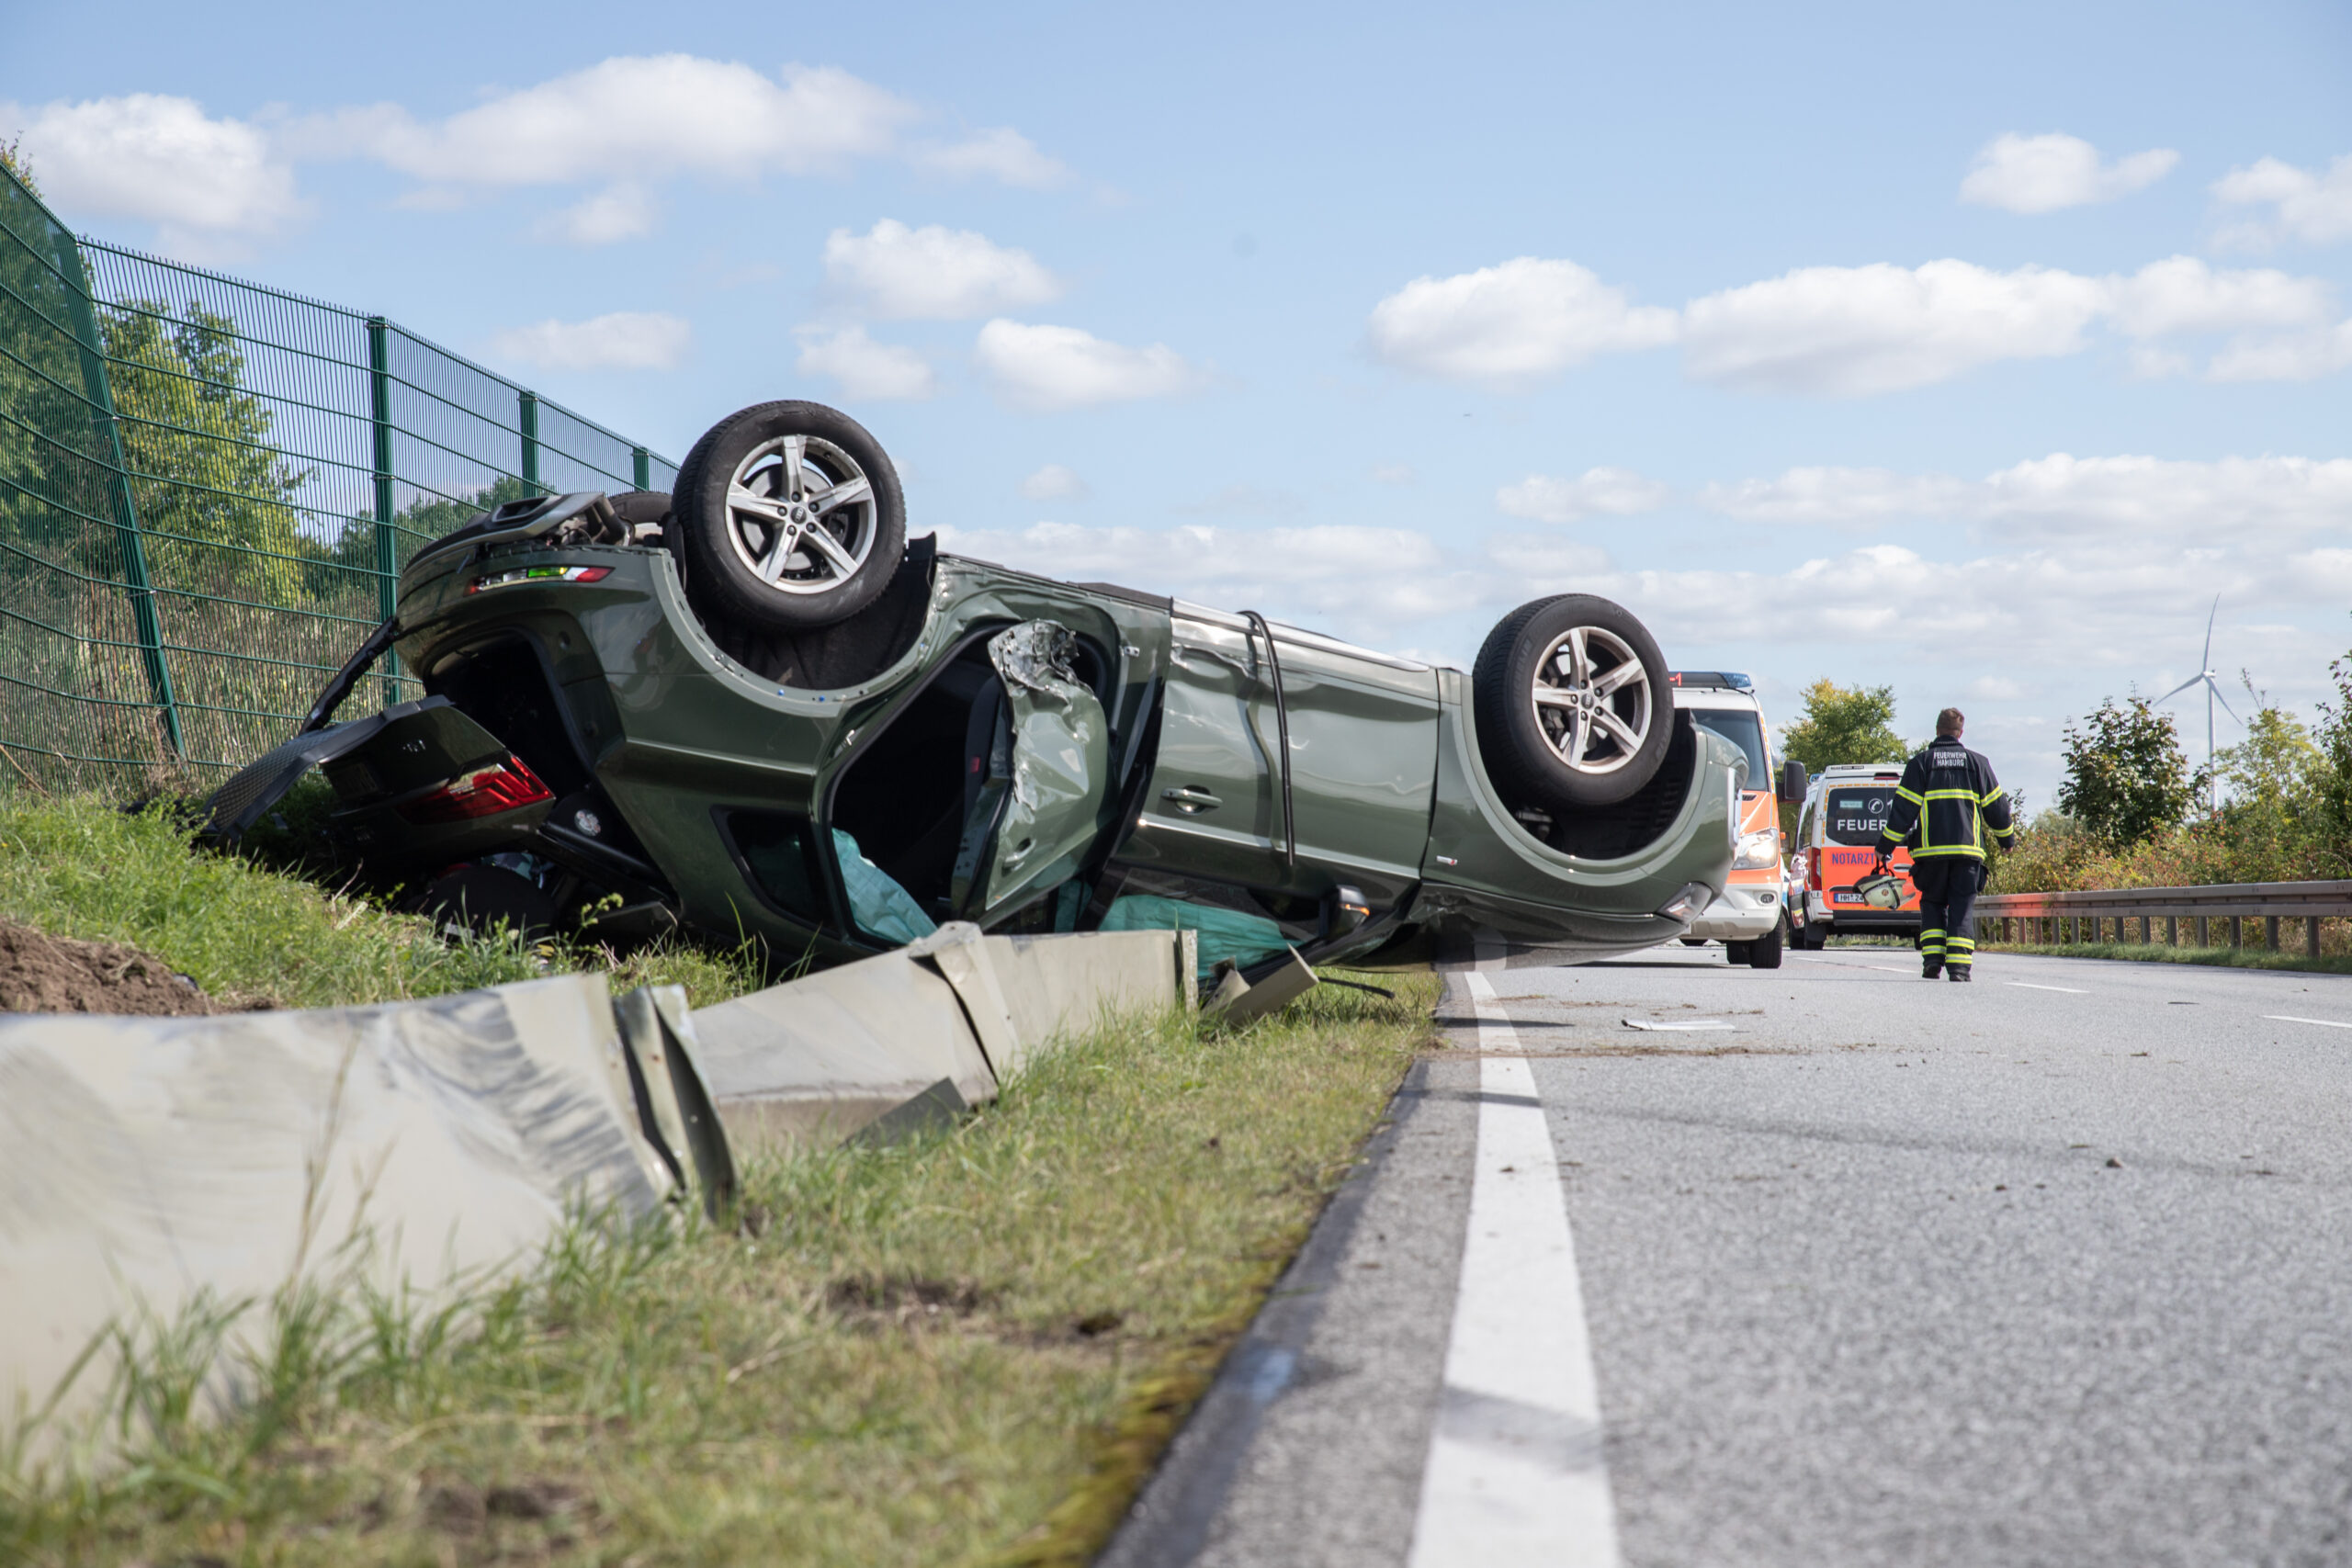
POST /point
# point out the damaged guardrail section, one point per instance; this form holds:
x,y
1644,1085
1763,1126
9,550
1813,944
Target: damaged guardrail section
x,y
146,1164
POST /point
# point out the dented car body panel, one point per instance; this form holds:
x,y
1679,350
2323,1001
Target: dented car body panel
x,y
686,785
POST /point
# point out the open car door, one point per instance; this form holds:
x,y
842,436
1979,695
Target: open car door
x,y
1046,779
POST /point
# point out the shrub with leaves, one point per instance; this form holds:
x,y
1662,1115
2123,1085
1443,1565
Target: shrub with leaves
x,y
2126,779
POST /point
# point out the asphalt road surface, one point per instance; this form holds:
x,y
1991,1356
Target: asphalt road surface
x,y
2052,1268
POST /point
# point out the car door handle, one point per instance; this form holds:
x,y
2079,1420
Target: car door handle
x,y
1192,799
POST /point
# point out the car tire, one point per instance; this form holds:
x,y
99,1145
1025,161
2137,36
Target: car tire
x,y
1813,937
1735,953
1590,735
790,518
1694,941
1764,952
479,900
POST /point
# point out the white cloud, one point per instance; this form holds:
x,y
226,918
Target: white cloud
x,y
2292,357
1002,153
1852,330
1361,580
2124,497
1833,495
635,116
625,340
934,273
1394,474
1512,325
1053,482
2315,208
2043,173
2181,294
865,370
1617,493
207,183
625,211
1047,369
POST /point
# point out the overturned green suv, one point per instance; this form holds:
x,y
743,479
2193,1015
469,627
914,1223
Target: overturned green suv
x,y
756,709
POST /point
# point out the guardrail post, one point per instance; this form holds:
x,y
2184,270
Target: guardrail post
x,y
2202,932
529,426
387,554
641,465
2237,930
2172,931
2270,932
2311,936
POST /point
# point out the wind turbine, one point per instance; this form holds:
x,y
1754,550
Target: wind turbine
x,y
2213,696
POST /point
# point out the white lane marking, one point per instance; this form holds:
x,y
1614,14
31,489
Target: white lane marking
x,y
1515,1477
2029,986
2322,1022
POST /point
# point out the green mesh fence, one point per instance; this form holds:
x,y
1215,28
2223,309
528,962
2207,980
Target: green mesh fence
x,y
208,489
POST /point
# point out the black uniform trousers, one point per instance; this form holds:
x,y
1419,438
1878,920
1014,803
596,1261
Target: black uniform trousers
x,y
1948,886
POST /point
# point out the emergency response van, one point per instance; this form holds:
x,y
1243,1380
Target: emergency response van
x,y
1838,838
1750,917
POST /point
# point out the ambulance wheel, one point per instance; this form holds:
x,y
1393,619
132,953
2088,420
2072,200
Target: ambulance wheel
x,y
1812,938
1735,953
1764,952
1572,704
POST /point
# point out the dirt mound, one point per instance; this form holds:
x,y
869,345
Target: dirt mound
x,y
47,974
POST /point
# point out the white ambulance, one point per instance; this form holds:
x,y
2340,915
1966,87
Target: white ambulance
x,y
1749,918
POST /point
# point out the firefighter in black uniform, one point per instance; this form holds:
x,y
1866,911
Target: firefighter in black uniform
x,y
1947,797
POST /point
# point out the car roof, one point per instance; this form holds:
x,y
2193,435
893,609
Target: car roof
x,y
1716,697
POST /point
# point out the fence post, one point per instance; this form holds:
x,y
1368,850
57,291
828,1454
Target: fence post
x,y
2237,930
2311,936
388,552
530,428
96,387
642,467
2172,931
2270,932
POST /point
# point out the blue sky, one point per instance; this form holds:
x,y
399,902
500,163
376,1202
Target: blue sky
x,y
1971,352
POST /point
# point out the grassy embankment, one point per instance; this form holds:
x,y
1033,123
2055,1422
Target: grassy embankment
x,y
968,1347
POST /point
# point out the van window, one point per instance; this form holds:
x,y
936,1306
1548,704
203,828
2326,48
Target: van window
x,y
1741,729
1856,813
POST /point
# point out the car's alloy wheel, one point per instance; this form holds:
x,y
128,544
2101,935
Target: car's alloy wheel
x,y
791,517
1593,701
1572,704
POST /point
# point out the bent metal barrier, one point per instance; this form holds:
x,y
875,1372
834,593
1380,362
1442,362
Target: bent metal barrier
x,y
149,1165
2058,917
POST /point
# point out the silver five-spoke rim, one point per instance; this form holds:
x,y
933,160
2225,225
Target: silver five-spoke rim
x,y
801,513
1592,700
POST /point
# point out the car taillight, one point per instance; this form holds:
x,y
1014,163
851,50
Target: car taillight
x,y
1813,869
485,792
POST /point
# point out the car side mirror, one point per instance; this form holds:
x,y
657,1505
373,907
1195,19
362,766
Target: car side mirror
x,y
1794,783
1349,911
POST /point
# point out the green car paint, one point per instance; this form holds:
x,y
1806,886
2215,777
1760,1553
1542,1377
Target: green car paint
x,y
1167,765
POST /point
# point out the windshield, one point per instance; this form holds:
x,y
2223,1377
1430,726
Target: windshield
x,y
1741,729
1857,816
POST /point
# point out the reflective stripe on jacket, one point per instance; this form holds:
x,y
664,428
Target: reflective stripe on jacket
x,y
1947,797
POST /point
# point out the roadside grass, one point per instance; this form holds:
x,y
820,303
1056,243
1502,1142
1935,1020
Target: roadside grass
x,y
79,867
2159,952
968,1347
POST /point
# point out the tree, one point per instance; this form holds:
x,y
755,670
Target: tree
x,y
2126,779
1843,725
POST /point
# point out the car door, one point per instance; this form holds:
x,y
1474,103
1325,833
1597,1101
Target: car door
x,y
1362,749
1212,804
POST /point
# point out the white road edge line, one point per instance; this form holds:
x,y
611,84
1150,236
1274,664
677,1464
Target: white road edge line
x,y
1515,1477
2029,986
2322,1022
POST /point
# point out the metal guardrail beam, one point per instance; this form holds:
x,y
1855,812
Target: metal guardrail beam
x,y
2237,902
